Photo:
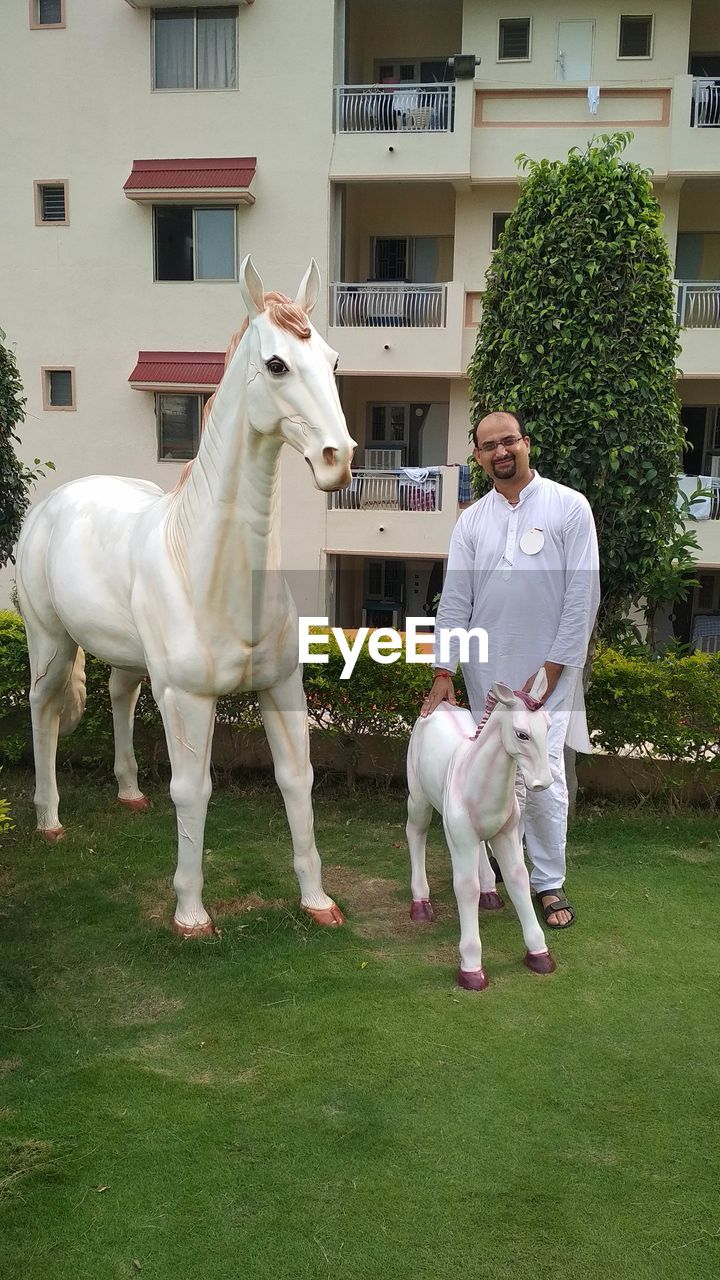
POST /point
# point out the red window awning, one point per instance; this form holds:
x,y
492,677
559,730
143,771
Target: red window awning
x,y
177,370
212,179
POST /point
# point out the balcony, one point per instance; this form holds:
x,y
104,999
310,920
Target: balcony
x,y
705,112
699,305
706,518
420,131
394,513
412,108
398,328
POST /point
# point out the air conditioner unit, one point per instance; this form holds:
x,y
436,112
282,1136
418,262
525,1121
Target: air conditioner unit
x,y
383,459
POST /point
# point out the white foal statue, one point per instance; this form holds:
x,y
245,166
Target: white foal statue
x,y
469,777
186,587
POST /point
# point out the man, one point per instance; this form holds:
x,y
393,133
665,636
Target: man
x,y
523,565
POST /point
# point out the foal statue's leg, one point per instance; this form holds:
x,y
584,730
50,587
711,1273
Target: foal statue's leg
x,y
284,713
463,845
189,720
124,692
508,851
419,811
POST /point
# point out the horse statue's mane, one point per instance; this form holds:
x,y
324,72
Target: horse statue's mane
x,y
283,313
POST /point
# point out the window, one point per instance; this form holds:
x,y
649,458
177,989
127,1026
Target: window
x,y
514,40
47,13
58,388
51,203
391,258
498,226
636,34
389,425
178,425
195,48
194,244
415,70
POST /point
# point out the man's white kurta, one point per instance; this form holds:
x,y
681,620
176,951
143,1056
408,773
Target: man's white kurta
x,y
528,575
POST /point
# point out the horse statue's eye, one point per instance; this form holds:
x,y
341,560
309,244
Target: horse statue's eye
x,y
276,366
524,737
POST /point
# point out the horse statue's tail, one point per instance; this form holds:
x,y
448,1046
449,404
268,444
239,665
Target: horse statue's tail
x,y
75,695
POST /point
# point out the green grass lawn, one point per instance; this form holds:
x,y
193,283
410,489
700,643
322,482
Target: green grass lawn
x,y
287,1101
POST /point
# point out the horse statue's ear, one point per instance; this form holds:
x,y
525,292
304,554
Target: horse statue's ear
x,y
309,291
251,288
503,693
539,685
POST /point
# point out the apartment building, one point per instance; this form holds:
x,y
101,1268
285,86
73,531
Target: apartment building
x,y
155,144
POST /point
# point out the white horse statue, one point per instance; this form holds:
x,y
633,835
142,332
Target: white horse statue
x,y
468,775
185,586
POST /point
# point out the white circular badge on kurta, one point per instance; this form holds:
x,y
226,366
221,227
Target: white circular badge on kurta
x,y
532,541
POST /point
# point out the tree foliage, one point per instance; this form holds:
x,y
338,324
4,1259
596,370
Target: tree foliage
x,y
579,332
16,480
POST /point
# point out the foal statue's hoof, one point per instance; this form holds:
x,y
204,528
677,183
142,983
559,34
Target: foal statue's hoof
x,y
541,962
491,901
140,804
332,917
51,834
421,910
472,979
185,931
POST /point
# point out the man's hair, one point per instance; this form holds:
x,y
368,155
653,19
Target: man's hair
x,y
511,413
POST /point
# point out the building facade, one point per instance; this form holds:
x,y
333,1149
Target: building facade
x,y
155,144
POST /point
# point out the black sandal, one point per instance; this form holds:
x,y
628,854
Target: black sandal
x,y
551,908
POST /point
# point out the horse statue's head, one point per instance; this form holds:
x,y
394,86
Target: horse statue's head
x,y
291,391
524,726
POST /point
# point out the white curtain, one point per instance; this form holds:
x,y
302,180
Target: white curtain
x,y
214,244
216,45
174,40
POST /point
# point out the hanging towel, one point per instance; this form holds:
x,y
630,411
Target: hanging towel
x,y
593,98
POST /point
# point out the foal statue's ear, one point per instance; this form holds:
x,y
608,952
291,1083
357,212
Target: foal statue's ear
x,y
503,693
309,291
251,288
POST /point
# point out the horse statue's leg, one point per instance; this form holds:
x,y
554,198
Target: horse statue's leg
x,y
124,692
463,845
52,658
284,713
189,720
507,848
419,811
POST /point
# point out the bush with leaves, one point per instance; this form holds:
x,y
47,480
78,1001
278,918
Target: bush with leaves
x,y
16,480
578,331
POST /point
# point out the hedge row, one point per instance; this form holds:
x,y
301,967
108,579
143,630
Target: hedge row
x,y
663,707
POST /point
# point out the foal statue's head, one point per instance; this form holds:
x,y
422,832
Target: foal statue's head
x,y
525,732
291,390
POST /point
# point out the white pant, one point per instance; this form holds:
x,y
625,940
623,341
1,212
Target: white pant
x,y
545,814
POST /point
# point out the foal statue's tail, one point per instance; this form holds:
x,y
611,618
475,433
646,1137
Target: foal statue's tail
x,y
75,696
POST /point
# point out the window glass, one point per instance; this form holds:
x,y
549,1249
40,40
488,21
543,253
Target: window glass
x,y
514,41
635,37
49,12
216,49
173,243
174,48
60,388
178,418
215,244
498,226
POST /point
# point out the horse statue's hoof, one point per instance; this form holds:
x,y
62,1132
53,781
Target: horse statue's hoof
x,y
421,910
472,979
541,962
140,804
491,901
185,931
332,917
51,834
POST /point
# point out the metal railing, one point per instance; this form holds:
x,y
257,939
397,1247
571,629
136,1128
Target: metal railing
x,y
406,306
388,491
707,508
699,305
705,113
410,108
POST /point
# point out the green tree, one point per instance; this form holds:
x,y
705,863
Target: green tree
x,y
579,332
16,480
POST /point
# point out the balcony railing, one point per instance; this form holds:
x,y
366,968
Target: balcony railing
x,y
707,508
389,491
699,305
412,108
407,306
705,104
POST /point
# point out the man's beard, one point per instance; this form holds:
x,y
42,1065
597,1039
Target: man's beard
x,y
507,473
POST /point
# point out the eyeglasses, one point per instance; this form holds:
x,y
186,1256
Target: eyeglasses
x,y
507,442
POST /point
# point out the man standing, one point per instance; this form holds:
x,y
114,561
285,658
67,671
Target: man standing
x,y
523,565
